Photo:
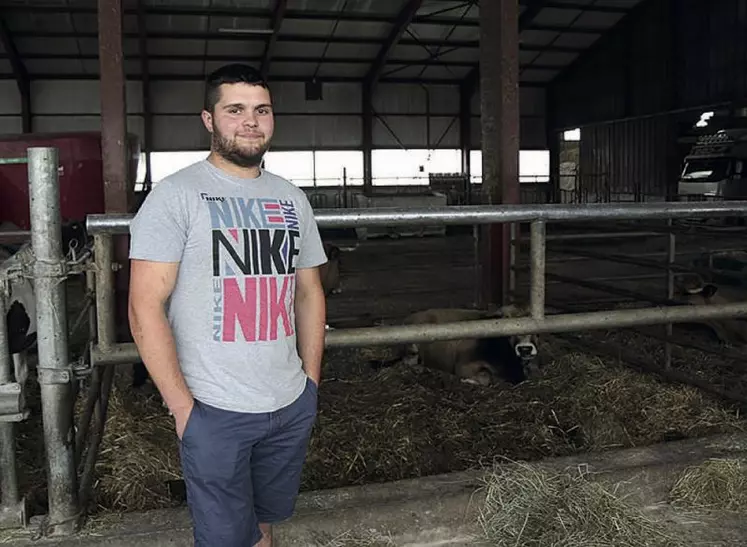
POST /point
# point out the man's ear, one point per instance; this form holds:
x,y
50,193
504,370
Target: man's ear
x,y
207,120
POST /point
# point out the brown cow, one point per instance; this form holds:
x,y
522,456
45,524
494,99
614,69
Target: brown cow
x,y
481,361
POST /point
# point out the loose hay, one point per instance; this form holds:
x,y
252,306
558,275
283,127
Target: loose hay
x,y
139,453
355,538
528,506
401,423
714,484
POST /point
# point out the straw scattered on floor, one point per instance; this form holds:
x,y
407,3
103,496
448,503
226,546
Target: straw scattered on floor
x,y
355,538
532,507
715,484
401,423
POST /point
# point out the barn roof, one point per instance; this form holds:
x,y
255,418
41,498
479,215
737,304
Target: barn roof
x,y
331,40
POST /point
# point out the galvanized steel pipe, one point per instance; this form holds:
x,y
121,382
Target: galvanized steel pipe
x,y
483,214
537,270
404,334
10,512
55,375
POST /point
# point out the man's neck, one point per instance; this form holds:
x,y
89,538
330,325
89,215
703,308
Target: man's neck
x,y
232,169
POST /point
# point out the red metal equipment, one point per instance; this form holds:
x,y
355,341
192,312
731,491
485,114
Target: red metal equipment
x,y
80,174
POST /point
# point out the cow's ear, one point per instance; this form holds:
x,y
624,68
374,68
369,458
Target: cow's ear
x,y
709,290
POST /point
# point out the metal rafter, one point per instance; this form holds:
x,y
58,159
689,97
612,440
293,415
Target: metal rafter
x,y
288,38
400,25
277,21
20,74
318,15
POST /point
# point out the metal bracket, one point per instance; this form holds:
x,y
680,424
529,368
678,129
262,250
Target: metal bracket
x,y
11,402
55,376
50,269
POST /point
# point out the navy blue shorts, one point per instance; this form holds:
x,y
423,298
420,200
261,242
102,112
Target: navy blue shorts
x,y
242,469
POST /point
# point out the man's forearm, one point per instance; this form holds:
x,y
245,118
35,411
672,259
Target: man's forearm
x,y
311,315
155,342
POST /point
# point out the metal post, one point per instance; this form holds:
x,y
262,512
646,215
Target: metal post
x,y
12,509
671,257
499,117
513,244
537,264
97,403
103,256
55,375
345,187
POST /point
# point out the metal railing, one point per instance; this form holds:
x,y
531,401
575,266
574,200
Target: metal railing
x,y
537,323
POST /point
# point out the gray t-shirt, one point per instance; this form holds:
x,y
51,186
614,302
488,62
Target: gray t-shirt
x,y
239,242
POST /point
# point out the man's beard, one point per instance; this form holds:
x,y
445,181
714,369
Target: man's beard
x,y
232,152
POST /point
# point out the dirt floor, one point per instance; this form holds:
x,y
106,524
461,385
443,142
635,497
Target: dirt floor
x,y
402,423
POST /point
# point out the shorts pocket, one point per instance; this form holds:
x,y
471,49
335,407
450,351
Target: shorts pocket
x,y
312,385
190,419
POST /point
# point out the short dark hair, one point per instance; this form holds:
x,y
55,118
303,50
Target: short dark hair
x,y
234,73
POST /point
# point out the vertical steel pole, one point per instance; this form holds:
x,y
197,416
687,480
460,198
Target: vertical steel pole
x,y
106,328
537,265
55,375
513,251
104,257
671,256
12,510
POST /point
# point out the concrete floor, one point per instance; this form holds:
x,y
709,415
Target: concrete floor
x,y
442,510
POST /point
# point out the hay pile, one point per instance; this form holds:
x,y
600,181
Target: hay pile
x,y
525,505
401,423
138,455
715,484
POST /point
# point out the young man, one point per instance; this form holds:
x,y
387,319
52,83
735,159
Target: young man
x,y
236,353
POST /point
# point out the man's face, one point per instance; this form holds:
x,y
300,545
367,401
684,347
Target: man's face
x,y
241,123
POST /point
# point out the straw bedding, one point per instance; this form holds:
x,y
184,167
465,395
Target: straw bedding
x,y
719,484
529,506
402,423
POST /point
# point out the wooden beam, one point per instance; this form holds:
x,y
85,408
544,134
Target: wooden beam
x,y
277,21
20,74
400,25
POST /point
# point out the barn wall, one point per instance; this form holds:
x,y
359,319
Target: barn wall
x,y
668,55
403,115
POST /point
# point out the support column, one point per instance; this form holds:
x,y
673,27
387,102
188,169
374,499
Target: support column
x,y
465,127
499,101
54,372
367,108
118,186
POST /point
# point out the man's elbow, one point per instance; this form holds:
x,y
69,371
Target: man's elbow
x,y
141,309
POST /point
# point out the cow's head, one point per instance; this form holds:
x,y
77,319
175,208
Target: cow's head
x,y
524,345
695,290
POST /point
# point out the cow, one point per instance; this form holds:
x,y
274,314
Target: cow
x,y
693,290
21,303
21,312
479,361
329,272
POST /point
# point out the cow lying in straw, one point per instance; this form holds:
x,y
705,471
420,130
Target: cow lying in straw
x,y
696,292
480,361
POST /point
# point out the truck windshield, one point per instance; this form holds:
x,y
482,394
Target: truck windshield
x,y
706,170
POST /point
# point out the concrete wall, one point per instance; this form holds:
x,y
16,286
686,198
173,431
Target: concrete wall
x,y
403,116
